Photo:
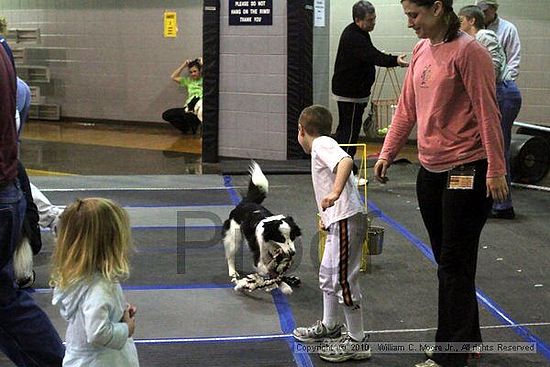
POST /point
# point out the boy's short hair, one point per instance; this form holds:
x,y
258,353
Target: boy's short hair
x,y
316,120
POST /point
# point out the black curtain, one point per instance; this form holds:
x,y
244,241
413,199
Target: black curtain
x,y
211,81
299,69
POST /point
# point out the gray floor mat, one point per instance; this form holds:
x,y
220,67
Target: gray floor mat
x,y
191,313
261,354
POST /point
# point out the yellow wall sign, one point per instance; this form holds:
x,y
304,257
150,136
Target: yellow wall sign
x,y
170,24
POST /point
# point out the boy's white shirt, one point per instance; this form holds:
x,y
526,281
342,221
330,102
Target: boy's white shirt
x,y
325,156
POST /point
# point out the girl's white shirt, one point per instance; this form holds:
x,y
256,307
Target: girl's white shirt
x,y
96,336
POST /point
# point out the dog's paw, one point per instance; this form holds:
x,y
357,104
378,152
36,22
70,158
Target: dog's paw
x,y
234,277
285,288
239,288
248,283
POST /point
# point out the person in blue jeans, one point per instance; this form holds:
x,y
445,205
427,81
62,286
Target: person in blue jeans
x,y
509,102
23,101
27,336
508,94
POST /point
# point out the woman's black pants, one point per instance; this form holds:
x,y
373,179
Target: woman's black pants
x,y
454,220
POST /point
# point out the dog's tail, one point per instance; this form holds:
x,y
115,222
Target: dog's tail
x,y
258,185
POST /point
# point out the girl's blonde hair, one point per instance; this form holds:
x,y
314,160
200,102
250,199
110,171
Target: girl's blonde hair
x,y
93,237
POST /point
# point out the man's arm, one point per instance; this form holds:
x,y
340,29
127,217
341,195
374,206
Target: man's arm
x,y
512,48
363,49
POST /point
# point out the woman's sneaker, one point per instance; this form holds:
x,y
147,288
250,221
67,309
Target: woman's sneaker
x,y
347,349
317,332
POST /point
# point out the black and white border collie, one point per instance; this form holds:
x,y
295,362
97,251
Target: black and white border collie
x,y
269,237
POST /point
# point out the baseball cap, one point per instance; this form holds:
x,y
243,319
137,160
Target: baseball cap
x,y
484,4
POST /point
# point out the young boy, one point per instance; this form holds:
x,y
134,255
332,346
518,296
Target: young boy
x,y
342,214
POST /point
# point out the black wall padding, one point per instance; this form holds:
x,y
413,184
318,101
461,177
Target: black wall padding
x,y
299,69
211,79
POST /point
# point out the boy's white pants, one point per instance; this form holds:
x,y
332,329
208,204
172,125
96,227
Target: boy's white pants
x,y
339,271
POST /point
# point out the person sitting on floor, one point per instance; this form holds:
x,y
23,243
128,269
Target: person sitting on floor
x,y
190,116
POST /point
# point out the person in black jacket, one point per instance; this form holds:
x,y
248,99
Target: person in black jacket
x,y
354,73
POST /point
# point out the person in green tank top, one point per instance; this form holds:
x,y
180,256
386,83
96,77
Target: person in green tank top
x,y
189,117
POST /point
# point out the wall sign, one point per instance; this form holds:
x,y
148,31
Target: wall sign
x,y
319,13
170,24
251,12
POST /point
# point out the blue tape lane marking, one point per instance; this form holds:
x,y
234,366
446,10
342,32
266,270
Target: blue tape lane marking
x,y
178,205
284,310
526,334
181,205
142,189
187,228
176,287
488,303
199,251
161,228
425,249
156,287
288,324
233,194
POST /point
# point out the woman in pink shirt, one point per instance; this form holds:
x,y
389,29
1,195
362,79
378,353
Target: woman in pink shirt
x,y
449,93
